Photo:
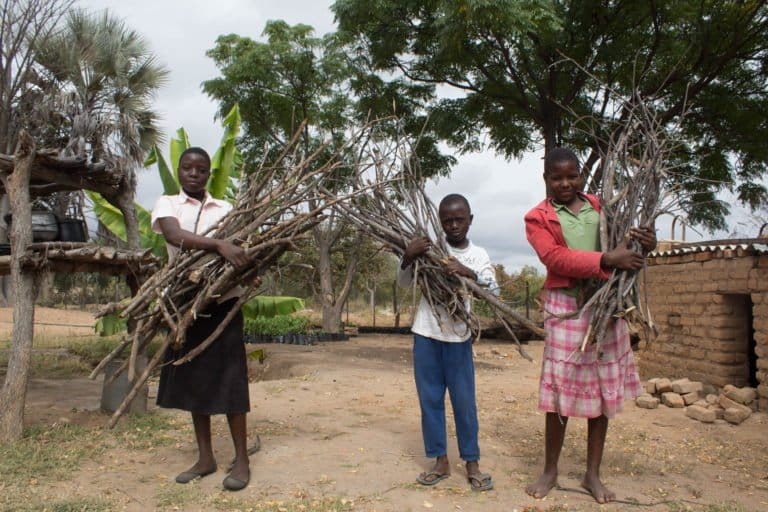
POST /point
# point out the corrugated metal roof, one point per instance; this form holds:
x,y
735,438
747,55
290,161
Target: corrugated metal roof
x,y
743,246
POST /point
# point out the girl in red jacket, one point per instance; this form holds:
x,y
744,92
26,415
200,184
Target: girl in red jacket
x,y
564,231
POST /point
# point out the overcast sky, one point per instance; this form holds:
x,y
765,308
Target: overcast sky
x,y
180,32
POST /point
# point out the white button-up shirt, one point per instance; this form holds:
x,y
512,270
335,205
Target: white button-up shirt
x,y
193,216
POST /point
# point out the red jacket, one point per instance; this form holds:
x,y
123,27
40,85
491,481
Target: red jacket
x,y
564,265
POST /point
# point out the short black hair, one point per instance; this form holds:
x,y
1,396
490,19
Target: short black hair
x,y
197,151
455,198
557,155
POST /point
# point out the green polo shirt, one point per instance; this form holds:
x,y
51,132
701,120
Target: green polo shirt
x,y
581,232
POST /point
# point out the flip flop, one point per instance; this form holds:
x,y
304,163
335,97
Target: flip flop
x,y
424,478
187,476
231,483
483,480
256,446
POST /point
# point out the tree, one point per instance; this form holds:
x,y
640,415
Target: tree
x,y
108,78
293,77
528,72
24,24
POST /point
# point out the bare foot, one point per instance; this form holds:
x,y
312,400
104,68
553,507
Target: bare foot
x,y
596,488
542,486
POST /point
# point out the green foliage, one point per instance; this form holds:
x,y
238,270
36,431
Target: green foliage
x,y
168,178
225,162
517,287
225,169
276,325
269,306
527,71
295,76
112,218
110,325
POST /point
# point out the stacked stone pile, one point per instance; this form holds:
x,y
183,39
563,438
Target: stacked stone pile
x,y
701,402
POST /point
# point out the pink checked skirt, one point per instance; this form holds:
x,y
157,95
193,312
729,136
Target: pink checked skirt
x,y
584,384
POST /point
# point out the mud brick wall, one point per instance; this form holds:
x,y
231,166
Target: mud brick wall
x,y
701,305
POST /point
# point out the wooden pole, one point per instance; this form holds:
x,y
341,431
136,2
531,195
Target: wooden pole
x,y
14,391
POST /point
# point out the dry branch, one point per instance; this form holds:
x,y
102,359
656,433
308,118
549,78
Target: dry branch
x,y
272,211
395,209
635,154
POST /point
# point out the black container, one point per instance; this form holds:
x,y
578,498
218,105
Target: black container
x,y
72,230
45,226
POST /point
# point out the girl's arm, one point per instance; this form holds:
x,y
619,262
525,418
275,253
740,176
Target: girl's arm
x,y
175,235
575,263
559,258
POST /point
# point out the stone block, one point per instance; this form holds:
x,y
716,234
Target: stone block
x,y
673,400
701,403
663,385
719,412
684,386
709,389
741,395
727,403
711,399
700,413
736,415
647,402
690,398
650,387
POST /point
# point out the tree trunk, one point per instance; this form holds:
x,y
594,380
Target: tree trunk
x,y
330,322
6,290
332,303
14,391
372,299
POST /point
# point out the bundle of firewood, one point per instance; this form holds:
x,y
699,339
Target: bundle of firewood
x,y
275,207
636,160
394,209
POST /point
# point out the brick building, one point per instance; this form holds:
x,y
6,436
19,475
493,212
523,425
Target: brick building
x,y
710,303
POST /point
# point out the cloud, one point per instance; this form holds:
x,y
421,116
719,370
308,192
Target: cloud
x,y
180,33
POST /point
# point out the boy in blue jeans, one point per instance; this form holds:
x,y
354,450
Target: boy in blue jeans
x,y
442,349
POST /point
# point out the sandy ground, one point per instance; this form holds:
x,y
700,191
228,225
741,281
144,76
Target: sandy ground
x,y
50,322
342,419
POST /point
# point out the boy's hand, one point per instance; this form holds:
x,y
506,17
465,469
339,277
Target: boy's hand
x,y
453,267
415,248
646,236
622,257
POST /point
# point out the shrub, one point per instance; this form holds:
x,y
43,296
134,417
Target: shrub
x,y
277,325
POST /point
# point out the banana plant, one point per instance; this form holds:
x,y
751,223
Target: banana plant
x,y
226,165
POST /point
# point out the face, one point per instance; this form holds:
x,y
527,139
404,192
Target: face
x,y
455,219
563,181
194,171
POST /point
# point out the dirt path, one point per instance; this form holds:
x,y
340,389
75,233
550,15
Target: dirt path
x,y
342,419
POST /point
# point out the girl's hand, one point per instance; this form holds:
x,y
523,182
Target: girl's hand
x,y
232,253
453,267
646,235
622,257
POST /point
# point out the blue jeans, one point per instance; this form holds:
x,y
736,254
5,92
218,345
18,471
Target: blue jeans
x,y
438,365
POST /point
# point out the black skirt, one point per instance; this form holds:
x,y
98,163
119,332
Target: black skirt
x,y
214,382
